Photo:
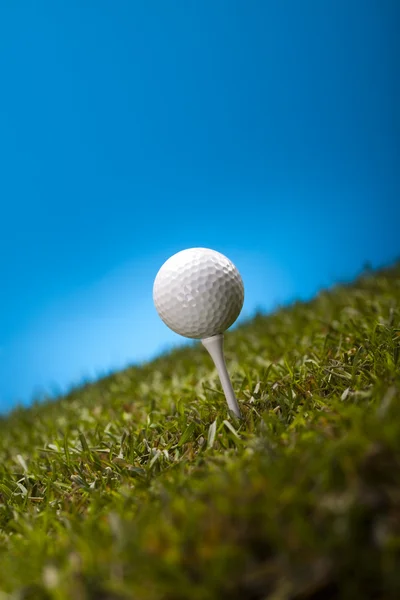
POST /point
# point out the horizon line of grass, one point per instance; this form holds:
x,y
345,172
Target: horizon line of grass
x,y
46,396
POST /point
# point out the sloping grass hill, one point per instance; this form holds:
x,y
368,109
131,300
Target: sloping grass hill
x,y
141,486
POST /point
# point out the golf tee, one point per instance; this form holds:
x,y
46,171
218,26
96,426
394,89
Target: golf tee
x,y
215,347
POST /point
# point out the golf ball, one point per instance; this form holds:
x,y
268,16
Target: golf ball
x,y
198,293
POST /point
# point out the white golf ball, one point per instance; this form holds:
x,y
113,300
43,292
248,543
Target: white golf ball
x,y
198,293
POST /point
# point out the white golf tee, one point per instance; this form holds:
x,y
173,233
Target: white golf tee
x,y
215,347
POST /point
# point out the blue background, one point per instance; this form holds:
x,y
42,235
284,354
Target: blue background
x,y
129,130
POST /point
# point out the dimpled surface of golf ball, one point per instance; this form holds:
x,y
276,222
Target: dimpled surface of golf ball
x,y
198,293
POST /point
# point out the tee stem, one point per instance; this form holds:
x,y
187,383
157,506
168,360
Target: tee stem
x,y
215,347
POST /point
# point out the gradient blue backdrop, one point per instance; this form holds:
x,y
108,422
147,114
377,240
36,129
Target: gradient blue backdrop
x,y
129,130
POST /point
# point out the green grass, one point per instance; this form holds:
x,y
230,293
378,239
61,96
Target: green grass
x,y
141,485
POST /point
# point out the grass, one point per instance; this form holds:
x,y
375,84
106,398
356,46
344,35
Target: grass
x,y
141,486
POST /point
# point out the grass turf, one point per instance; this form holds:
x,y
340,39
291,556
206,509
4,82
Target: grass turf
x,y
141,486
